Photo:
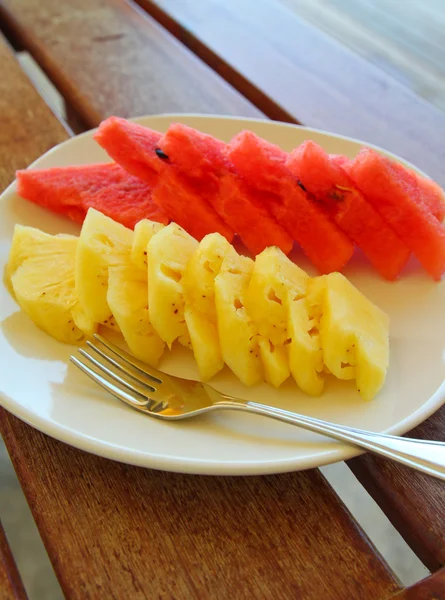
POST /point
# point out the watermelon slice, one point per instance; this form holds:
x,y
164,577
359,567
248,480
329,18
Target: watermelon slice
x,y
201,158
387,190
323,176
136,149
71,191
132,146
421,188
263,165
187,205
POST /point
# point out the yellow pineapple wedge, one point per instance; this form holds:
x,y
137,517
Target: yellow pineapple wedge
x,y
276,285
127,298
143,232
26,242
354,334
238,334
40,271
199,295
103,243
168,253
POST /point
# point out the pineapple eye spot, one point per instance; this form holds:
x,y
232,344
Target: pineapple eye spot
x,y
271,347
105,240
344,365
208,267
238,304
171,273
313,331
298,297
234,271
288,341
273,297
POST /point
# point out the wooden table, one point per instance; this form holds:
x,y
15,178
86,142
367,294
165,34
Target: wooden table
x,y
115,531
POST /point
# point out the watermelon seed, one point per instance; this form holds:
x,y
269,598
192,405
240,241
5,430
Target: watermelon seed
x,y
161,154
301,185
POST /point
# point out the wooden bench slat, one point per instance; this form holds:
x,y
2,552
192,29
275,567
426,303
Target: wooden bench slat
x,y
292,71
110,58
414,502
115,531
430,588
11,584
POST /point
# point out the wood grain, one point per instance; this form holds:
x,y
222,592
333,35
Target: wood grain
x,y
414,502
292,71
430,588
115,531
11,585
28,127
108,58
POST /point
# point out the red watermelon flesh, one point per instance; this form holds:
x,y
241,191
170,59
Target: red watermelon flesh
x,y
387,190
322,176
421,188
264,167
201,159
187,205
71,191
132,146
340,160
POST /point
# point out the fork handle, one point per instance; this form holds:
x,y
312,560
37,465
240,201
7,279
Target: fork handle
x,y
423,455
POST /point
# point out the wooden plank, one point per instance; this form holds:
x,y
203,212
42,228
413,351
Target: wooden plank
x,y
430,588
28,128
114,531
292,71
11,585
109,58
415,503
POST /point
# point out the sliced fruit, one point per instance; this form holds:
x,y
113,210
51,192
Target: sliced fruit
x,y
201,159
127,298
71,191
263,165
274,360
237,331
199,295
274,276
169,252
353,333
103,243
143,232
43,283
187,204
387,191
132,146
337,193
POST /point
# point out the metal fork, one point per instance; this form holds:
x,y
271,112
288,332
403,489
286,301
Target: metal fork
x,y
170,398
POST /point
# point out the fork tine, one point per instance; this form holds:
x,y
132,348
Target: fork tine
x,y
121,367
127,361
110,387
140,390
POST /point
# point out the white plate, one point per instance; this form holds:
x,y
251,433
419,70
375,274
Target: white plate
x,y
38,385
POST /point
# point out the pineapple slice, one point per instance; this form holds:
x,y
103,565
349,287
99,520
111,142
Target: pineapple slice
x,y
103,243
274,360
305,354
199,296
27,242
275,285
354,334
143,232
169,252
238,334
41,274
127,298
